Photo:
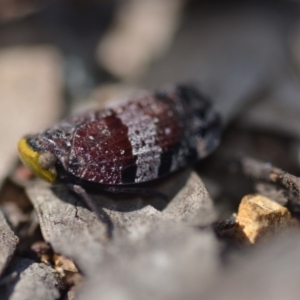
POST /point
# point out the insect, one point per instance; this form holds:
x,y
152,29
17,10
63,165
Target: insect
x,y
143,139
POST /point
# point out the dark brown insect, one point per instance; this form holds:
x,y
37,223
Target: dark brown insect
x,y
143,139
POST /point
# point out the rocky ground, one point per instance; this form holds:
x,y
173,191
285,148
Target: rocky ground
x,y
231,226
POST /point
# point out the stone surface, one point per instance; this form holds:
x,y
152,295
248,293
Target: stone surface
x,y
270,272
65,221
259,217
74,231
31,280
167,261
70,228
192,204
8,242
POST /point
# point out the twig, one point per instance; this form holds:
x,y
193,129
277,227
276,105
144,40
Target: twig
x,y
265,171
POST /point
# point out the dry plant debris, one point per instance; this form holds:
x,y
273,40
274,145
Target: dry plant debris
x,y
265,171
262,171
63,264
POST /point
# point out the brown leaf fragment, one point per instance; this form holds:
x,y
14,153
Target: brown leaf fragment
x,y
259,217
43,251
60,263
63,264
8,242
74,280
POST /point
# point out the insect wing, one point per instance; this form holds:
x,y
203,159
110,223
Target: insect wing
x,y
135,143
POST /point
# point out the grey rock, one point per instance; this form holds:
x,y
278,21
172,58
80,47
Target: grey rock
x,y
8,242
70,228
133,223
75,232
30,280
192,204
271,272
167,261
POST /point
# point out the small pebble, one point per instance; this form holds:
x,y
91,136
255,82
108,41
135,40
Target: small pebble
x,y
259,217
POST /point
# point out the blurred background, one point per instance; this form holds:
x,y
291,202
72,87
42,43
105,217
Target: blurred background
x,y
58,57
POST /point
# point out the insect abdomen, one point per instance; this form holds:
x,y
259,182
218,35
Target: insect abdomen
x,y
141,140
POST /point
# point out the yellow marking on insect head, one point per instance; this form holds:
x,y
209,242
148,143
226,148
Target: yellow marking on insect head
x,y
30,159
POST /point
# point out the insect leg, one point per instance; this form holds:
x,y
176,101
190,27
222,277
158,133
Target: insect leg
x,y
138,191
100,213
222,226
